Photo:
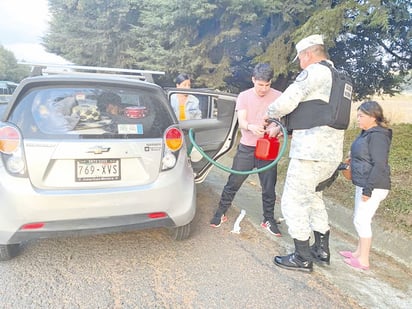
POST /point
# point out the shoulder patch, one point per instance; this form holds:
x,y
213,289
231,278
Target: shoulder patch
x,y
302,76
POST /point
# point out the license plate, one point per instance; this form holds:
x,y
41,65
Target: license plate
x,y
97,170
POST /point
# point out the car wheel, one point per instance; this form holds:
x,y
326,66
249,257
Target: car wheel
x,y
180,232
7,252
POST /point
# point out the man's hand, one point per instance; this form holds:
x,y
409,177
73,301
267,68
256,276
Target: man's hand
x,y
365,198
273,131
256,129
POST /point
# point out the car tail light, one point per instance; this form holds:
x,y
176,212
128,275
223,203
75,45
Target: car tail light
x,y
9,139
12,150
174,139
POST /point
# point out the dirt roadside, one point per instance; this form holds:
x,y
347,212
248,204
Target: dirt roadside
x,y
388,283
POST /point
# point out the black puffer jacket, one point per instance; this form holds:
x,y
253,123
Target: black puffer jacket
x,y
369,159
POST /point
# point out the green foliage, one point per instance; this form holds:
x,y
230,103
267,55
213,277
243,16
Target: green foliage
x,y
90,32
375,45
9,69
219,41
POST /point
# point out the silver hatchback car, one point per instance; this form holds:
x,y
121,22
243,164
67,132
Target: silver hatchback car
x,y
86,154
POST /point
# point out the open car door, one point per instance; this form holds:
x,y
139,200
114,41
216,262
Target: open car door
x,y
215,132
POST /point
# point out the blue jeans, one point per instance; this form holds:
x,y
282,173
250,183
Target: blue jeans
x,y
245,160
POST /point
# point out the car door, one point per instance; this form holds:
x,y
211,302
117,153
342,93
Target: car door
x,y
215,133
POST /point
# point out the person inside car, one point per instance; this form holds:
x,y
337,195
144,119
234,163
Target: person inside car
x,y
110,103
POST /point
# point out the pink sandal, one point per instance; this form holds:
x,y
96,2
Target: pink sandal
x,y
354,262
346,254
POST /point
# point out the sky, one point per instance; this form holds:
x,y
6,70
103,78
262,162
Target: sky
x,y
22,24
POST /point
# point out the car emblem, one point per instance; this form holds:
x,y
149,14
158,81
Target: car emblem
x,y
98,150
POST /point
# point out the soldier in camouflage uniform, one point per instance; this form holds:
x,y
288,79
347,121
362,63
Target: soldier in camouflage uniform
x,y
315,153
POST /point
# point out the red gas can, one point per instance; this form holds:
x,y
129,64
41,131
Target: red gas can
x,y
267,148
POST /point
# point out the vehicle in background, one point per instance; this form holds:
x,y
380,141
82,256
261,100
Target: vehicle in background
x,y
6,90
7,87
85,153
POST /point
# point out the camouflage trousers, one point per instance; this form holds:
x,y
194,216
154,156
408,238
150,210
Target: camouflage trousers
x,y
302,207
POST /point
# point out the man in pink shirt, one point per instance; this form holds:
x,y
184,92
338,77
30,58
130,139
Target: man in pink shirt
x,y
251,107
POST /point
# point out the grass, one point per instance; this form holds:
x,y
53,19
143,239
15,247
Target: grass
x,y
395,211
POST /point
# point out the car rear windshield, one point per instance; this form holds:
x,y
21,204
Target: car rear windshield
x,y
92,112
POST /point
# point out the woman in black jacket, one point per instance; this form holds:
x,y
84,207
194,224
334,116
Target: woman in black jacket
x,y
371,176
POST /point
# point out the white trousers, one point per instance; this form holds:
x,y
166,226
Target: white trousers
x,y
364,211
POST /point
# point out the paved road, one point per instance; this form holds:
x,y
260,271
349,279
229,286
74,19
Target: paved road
x,y
213,269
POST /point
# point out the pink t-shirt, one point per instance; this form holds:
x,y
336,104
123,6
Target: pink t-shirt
x,y
256,108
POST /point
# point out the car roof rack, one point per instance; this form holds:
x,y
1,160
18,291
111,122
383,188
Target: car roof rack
x,y
70,69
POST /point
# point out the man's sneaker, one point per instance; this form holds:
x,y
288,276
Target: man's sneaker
x,y
272,227
217,221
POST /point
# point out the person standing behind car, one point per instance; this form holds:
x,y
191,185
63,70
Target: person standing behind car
x,y
315,154
251,106
185,106
370,174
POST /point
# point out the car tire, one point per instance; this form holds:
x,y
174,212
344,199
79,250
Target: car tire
x,y
180,232
7,252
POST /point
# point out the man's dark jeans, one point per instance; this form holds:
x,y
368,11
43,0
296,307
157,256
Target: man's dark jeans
x,y
245,160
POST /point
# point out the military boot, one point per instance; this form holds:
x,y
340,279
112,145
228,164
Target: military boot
x,y
320,249
301,259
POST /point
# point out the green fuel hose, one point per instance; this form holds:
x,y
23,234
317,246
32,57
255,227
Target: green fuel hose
x,y
254,171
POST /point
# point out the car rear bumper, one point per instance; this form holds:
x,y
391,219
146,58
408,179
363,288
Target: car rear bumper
x,y
91,227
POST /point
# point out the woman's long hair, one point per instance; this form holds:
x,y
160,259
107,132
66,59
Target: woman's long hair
x,y
373,109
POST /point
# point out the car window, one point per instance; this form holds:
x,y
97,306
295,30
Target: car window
x,y
204,108
90,111
207,105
